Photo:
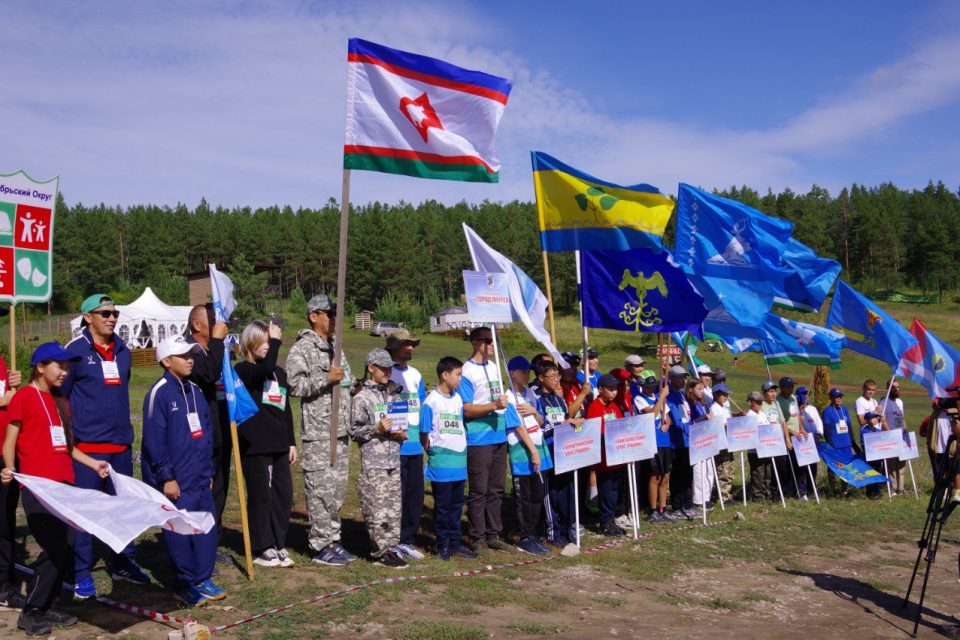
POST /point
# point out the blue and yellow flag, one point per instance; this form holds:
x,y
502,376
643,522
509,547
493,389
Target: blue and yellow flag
x,y
638,290
578,211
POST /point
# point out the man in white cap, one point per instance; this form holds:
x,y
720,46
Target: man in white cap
x,y
636,367
706,377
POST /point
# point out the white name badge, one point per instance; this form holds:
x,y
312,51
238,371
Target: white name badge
x,y
842,426
58,438
793,411
111,372
196,430
274,395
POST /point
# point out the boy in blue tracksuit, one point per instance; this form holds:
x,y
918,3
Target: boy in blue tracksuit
x,y
681,475
178,460
98,391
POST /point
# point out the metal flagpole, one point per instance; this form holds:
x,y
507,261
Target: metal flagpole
x,y
13,337
341,310
583,328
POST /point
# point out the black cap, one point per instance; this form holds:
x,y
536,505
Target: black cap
x,y
608,381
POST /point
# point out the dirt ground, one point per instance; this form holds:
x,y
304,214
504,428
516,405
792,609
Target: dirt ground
x,y
850,594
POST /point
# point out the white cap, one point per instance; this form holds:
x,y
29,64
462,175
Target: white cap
x,y
704,368
174,346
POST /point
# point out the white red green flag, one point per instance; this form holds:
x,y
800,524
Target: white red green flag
x,y
421,116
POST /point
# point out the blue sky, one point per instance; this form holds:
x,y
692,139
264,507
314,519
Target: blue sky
x,y
243,103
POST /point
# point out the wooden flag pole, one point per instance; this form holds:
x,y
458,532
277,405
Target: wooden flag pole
x,y
546,277
338,329
242,496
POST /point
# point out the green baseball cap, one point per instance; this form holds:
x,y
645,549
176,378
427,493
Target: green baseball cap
x,y
96,301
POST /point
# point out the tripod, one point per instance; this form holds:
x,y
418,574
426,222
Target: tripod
x,y
938,510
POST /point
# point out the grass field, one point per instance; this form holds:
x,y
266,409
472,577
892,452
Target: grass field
x,y
544,599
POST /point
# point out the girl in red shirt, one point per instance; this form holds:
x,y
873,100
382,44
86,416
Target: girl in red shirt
x,y
39,442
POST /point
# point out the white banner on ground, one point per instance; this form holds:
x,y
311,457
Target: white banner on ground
x,y
880,445
116,520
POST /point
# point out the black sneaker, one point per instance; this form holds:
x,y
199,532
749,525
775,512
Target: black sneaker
x,y
499,545
463,552
33,624
59,618
329,556
392,560
611,529
11,598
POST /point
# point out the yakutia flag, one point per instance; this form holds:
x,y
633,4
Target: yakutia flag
x,y
420,116
932,362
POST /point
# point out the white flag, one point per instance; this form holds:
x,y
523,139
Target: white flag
x,y
528,302
221,289
116,520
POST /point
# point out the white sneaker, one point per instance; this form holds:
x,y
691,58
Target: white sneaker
x,y
284,558
624,522
269,558
804,499
409,551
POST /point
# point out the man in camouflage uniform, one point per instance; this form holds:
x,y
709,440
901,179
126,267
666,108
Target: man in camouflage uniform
x,y
313,377
379,435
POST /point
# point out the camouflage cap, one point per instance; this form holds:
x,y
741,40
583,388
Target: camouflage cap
x,y
321,302
397,339
379,358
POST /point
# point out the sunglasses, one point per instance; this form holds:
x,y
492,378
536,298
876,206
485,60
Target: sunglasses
x,y
107,313
487,341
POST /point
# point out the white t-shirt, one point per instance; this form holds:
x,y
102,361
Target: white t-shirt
x,y
485,380
893,411
863,406
811,420
761,416
720,411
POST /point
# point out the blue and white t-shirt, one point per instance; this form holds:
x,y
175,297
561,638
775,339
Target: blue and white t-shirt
x,y
441,418
641,402
481,384
414,393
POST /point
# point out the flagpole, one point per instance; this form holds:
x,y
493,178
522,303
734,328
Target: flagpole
x,y
242,497
583,327
546,277
13,336
338,329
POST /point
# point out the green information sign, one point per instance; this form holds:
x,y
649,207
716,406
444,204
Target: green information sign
x,y
27,210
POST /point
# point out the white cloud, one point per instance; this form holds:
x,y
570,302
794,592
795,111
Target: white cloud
x,y
169,104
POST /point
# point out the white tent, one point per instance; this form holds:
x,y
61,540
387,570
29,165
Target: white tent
x,y
146,321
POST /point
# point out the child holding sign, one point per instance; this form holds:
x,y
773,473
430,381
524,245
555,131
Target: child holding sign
x,y
372,427
605,407
659,466
444,438
873,423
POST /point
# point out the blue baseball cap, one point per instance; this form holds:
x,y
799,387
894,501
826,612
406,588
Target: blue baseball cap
x,y
836,393
802,392
518,363
51,351
721,388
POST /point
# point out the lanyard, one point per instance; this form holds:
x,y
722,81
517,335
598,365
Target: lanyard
x,y
44,405
193,395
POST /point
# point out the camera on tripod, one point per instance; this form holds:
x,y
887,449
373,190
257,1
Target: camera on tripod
x,y
948,405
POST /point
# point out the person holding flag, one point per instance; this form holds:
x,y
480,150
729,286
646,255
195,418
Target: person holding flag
x,y
267,444
314,377
681,476
40,442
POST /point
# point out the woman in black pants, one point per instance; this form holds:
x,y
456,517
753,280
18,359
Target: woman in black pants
x,y
267,445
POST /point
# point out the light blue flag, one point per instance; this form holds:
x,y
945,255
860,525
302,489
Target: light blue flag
x,y
791,341
869,329
854,470
735,308
239,403
810,279
728,239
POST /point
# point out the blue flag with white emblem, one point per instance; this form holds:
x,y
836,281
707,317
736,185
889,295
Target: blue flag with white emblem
x,y
809,281
869,329
724,238
735,308
638,290
791,341
854,470
239,403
